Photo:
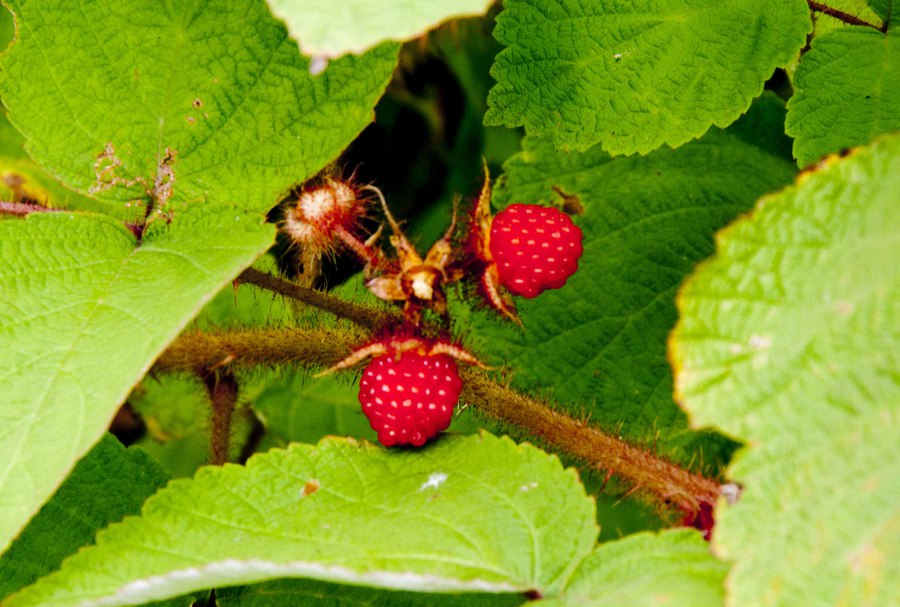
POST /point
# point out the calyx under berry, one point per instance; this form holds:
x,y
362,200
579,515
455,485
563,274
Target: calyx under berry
x,y
523,250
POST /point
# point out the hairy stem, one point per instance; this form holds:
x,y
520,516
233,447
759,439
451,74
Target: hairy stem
x,y
643,470
222,387
21,209
842,16
362,315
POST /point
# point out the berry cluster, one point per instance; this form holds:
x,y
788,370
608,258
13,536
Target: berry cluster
x,y
410,387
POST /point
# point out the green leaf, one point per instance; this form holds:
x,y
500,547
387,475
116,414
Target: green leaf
x,y
674,568
308,593
217,83
599,342
464,514
331,29
7,28
789,340
883,8
84,315
634,76
109,483
297,408
29,182
847,92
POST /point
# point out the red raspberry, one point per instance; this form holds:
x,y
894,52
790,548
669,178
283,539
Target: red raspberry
x,y
410,398
535,248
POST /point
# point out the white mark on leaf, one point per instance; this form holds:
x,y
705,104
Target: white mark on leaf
x,y
435,480
760,342
317,65
529,486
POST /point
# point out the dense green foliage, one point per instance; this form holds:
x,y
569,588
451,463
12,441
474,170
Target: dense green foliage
x,y
728,349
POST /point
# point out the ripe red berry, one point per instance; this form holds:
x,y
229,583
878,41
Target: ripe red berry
x,y
535,248
409,398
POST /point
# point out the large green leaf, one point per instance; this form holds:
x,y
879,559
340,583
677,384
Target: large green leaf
x,y
219,83
84,314
309,593
330,29
674,568
847,91
789,339
467,513
109,483
636,75
599,342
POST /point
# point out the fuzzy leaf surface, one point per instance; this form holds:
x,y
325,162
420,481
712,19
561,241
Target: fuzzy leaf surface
x,y
789,340
109,483
219,84
599,342
473,513
847,92
674,568
332,29
84,314
636,75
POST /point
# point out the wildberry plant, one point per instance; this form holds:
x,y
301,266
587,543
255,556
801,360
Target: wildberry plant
x,y
552,302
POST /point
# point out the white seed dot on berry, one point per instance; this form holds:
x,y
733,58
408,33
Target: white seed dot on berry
x,y
551,259
384,388
555,235
432,407
421,375
391,372
419,405
407,403
414,389
400,388
372,391
379,377
378,400
442,392
537,270
391,416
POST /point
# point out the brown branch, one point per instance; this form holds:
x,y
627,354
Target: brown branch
x,y
222,387
363,316
21,209
644,470
655,476
196,352
842,16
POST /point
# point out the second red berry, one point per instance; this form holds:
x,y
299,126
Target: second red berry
x,y
535,248
410,398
